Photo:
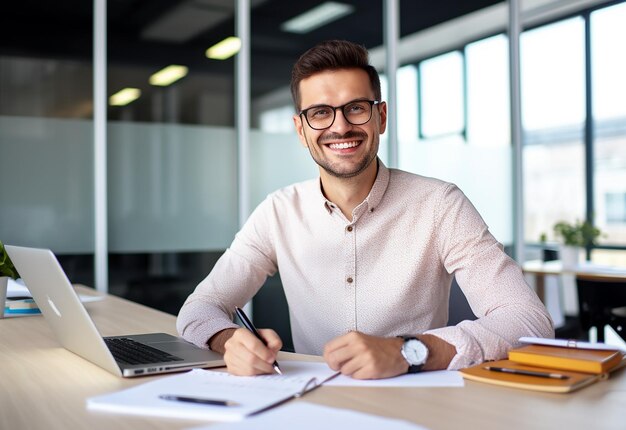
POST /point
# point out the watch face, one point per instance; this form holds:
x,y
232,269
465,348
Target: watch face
x,y
415,352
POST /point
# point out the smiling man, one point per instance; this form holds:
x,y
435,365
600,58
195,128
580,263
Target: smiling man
x,y
366,254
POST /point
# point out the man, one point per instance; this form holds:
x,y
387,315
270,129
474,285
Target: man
x,y
366,253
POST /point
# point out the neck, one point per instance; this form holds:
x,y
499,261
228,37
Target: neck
x,y
348,193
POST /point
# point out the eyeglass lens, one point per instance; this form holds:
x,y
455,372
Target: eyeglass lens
x,y
356,113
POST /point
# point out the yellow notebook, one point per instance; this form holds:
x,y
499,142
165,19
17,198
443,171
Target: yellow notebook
x,y
574,380
565,358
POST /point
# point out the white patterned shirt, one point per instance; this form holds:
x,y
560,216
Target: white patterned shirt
x,y
387,272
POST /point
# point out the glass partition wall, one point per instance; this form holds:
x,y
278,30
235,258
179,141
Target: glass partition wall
x,y
172,144
46,131
172,157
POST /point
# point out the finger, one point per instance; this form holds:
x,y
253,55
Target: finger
x,y
248,364
337,358
272,339
257,346
351,366
241,361
253,344
338,343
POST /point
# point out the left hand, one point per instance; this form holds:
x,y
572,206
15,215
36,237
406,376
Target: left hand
x,y
362,356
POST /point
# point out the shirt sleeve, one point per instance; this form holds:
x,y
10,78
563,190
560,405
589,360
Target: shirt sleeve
x,y
239,273
494,285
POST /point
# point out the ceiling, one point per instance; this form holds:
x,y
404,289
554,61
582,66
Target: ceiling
x,y
151,34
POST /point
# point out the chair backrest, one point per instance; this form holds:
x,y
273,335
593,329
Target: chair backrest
x,y
597,296
458,307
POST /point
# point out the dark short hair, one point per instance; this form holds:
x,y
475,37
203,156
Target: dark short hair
x,y
332,55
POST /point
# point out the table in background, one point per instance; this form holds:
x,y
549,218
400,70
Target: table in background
x,y
539,269
43,386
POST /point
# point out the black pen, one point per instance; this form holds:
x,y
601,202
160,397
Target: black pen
x,y
527,372
246,322
197,400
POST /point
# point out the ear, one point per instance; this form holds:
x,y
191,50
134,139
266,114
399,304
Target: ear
x,y
382,108
297,122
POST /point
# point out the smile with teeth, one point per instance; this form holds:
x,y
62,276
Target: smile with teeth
x,y
343,145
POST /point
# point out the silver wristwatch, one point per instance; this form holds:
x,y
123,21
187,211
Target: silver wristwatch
x,y
415,352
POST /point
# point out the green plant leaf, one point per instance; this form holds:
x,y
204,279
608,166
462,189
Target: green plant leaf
x,y
6,265
578,234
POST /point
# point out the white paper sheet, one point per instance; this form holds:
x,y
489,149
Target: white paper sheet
x,y
17,289
440,378
309,416
569,343
443,378
250,393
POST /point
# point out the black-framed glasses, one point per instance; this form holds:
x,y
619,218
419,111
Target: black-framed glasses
x,y
356,112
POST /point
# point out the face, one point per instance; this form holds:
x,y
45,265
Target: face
x,y
343,150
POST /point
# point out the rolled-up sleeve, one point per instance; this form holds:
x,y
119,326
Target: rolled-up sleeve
x,y
235,279
494,285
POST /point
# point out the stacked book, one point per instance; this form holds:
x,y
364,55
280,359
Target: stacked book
x,y
20,306
558,366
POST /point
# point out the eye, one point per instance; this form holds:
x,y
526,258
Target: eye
x,y
319,112
356,108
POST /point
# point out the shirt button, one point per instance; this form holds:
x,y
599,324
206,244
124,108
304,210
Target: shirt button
x,y
349,228
350,280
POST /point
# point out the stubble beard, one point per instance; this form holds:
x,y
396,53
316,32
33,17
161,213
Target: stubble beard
x,y
332,170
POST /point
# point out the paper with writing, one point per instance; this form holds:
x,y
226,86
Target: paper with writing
x,y
251,393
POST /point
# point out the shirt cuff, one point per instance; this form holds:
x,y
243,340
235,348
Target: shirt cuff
x,y
199,333
468,351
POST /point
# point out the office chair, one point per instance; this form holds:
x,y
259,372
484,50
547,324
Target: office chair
x,y
602,301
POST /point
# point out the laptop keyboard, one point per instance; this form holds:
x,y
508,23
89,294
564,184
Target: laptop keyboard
x,y
129,351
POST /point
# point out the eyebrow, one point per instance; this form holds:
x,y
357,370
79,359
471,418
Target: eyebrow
x,y
360,99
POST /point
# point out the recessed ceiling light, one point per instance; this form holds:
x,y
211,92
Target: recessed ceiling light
x,y
125,96
317,17
224,49
168,75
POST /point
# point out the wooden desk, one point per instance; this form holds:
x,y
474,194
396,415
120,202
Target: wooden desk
x,y
43,386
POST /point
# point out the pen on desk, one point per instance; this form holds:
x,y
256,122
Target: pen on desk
x,y
198,400
527,372
246,322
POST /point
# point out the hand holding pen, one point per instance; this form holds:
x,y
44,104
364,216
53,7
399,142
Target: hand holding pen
x,y
248,324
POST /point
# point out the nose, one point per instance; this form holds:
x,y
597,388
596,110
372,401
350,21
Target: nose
x,y
341,123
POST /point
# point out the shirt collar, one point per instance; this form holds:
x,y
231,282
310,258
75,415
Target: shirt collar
x,y
380,186
373,198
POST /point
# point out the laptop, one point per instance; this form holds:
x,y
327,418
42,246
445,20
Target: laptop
x,y
126,356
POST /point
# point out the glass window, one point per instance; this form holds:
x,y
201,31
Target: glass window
x,y
615,208
407,104
442,100
488,106
483,169
553,113
608,33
